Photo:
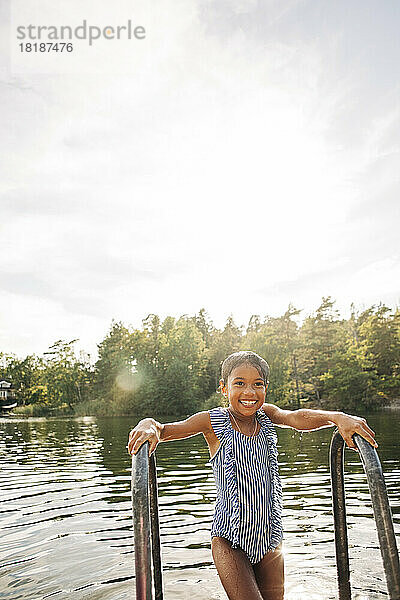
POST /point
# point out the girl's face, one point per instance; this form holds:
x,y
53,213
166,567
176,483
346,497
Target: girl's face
x,y
245,390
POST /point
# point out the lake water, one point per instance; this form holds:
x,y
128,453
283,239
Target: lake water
x,y
66,523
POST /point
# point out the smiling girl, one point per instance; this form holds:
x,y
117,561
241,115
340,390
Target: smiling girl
x,y
247,527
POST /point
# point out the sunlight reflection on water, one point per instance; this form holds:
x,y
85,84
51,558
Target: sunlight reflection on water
x,y
65,515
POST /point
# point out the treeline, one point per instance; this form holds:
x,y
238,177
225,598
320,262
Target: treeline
x,y
171,367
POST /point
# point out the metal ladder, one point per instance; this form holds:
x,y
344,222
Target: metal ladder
x,y
148,568
382,514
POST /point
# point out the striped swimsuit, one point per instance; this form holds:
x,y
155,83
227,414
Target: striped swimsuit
x,y
249,492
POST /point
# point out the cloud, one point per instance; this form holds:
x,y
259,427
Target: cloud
x,y
250,160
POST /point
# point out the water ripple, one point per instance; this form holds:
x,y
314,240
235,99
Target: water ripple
x,y
65,512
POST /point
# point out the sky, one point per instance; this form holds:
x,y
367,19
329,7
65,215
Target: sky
x,y
243,156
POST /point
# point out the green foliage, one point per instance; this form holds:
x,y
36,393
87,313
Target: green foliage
x,y
55,383
216,399
172,367
170,363
347,384
321,340
31,410
115,360
276,339
66,377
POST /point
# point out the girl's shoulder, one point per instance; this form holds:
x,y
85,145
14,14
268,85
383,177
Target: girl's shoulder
x,y
218,413
218,410
271,413
267,425
219,418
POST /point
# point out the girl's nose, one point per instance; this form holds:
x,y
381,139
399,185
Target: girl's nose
x,y
249,389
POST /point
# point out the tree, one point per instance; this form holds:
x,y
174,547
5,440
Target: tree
x,y
115,361
179,368
322,336
66,378
222,344
205,326
24,374
172,367
275,340
378,333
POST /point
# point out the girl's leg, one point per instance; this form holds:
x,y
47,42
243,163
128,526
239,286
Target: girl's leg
x,y
235,571
269,574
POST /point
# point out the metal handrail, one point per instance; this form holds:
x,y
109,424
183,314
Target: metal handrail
x,y
146,526
382,514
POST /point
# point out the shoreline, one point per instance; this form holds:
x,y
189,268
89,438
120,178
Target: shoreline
x,y
394,406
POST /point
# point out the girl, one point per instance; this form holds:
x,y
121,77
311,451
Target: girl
x,y
247,527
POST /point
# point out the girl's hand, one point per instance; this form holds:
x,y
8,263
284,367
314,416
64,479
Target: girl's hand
x,y
146,430
349,425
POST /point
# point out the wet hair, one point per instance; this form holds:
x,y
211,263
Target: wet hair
x,y
244,357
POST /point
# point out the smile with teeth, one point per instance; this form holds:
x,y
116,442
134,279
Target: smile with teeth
x,y
248,402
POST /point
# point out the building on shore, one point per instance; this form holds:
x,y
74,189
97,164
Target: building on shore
x,y
7,395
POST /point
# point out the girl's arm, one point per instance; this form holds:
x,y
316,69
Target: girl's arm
x,y
155,432
306,419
